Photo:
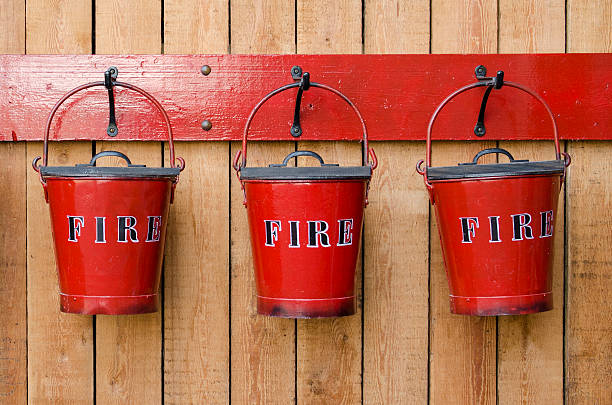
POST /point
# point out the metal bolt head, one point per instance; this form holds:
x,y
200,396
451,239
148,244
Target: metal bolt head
x,y
205,70
479,130
296,72
206,125
113,71
480,71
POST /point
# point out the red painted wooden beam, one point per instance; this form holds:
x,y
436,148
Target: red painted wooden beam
x,y
395,93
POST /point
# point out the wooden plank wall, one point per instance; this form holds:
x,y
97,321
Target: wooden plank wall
x,y
208,346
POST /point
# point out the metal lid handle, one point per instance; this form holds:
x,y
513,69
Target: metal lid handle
x,y
302,153
492,150
114,153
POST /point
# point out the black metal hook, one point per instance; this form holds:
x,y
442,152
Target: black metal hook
x,y
296,73
491,82
110,76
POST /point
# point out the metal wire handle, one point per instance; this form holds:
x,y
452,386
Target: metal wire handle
x,y
72,92
366,151
535,95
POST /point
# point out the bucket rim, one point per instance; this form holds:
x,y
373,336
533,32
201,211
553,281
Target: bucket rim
x,y
306,173
496,170
91,172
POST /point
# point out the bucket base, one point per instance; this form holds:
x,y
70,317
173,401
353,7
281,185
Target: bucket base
x,y
502,305
108,305
306,308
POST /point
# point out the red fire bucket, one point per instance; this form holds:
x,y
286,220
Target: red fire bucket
x,y
305,226
109,226
496,225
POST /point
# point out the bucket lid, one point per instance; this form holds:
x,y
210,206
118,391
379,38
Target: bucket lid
x,y
324,172
514,168
90,170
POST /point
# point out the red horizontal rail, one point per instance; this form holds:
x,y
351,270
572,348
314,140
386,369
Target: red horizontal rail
x,y
396,94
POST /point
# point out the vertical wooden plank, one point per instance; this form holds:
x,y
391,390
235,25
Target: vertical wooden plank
x,y
530,345
396,267
329,351
265,26
12,26
194,27
13,295
58,27
128,348
196,267
588,338
262,348
462,348
464,26
128,27
531,26
60,346
393,26
329,26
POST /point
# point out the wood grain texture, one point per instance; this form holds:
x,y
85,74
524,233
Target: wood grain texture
x,y
196,267
588,339
58,26
60,346
395,26
464,26
396,94
531,26
194,26
329,351
588,322
128,27
396,279
589,26
196,274
129,348
12,26
329,26
530,348
13,294
265,26
462,348
262,348
396,268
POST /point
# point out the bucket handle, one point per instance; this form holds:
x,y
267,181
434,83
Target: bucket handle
x,y
72,92
367,152
558,153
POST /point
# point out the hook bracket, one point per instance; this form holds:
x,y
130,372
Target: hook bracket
x,y
495,82
304,78
110,77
